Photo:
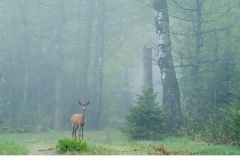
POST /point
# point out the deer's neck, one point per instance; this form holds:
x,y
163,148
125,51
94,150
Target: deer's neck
x,y
83,118
83,114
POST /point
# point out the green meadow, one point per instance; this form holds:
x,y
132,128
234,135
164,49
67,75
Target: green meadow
x,y
107,142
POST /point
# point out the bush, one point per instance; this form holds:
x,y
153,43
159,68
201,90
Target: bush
x,y
223,126
233,121
71,145
146,120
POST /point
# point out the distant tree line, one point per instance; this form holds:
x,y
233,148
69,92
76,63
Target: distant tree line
x,y
54,53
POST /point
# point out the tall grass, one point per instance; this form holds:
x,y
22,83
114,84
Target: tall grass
x,y
11,148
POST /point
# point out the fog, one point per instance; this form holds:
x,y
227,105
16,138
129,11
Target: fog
x,y
54,53
49,53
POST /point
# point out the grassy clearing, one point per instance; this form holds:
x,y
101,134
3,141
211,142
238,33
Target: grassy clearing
x,y
112,142
11,148
184,146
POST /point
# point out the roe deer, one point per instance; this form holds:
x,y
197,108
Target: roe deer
x,y
79,120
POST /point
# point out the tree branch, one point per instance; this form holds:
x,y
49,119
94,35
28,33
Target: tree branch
x,y
213,20
142,1
186,9
220,29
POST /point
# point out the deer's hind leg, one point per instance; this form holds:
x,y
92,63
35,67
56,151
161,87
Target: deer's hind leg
x,y
76,131
80,128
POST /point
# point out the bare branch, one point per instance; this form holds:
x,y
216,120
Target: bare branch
x,y
187,9
210,8
142,1
120,45
213,20
220,29
184,65
188,20
220,8
182,34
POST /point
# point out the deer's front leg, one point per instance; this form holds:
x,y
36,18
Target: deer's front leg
x,y
82,132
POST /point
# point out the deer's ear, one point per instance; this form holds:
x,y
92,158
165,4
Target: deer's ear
x,y
88,102
80,103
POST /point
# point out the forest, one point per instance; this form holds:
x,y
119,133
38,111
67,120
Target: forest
x,y
54,53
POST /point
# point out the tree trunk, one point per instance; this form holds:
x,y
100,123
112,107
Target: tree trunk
x,y
196,87
58,68
58,101
86,58
170,93
99,69
26,57
126,94
147,68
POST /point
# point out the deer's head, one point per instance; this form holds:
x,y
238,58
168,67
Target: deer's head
x,y
84,104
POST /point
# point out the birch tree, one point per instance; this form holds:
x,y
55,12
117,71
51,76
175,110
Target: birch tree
x,y
170,93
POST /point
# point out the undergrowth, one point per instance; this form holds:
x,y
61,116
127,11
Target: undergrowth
x,y
76,147
11,148
70,145
110,142
185,146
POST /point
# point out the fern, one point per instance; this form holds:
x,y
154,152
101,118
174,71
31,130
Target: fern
x,y
71,145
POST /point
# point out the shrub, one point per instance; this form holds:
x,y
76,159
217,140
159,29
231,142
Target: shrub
x,y
223,126
71,145
146,119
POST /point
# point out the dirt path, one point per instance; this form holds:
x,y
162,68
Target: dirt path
x,y
36,148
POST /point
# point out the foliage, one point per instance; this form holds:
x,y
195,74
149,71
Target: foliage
x,y
209,106
11,148
146,119
233,121
223,126
71,145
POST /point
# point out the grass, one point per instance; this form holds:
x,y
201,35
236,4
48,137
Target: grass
x,y
108,142
12,148
184,146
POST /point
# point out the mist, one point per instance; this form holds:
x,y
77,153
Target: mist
x,y
54,53
50,55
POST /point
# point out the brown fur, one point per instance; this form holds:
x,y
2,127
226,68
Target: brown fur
x,y
79,120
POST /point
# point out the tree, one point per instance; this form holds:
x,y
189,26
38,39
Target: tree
x,y
170,93
204,22
59,65
146,120
26,55
57,43
85,58
98,66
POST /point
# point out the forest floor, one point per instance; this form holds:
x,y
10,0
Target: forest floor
x,y
112,142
